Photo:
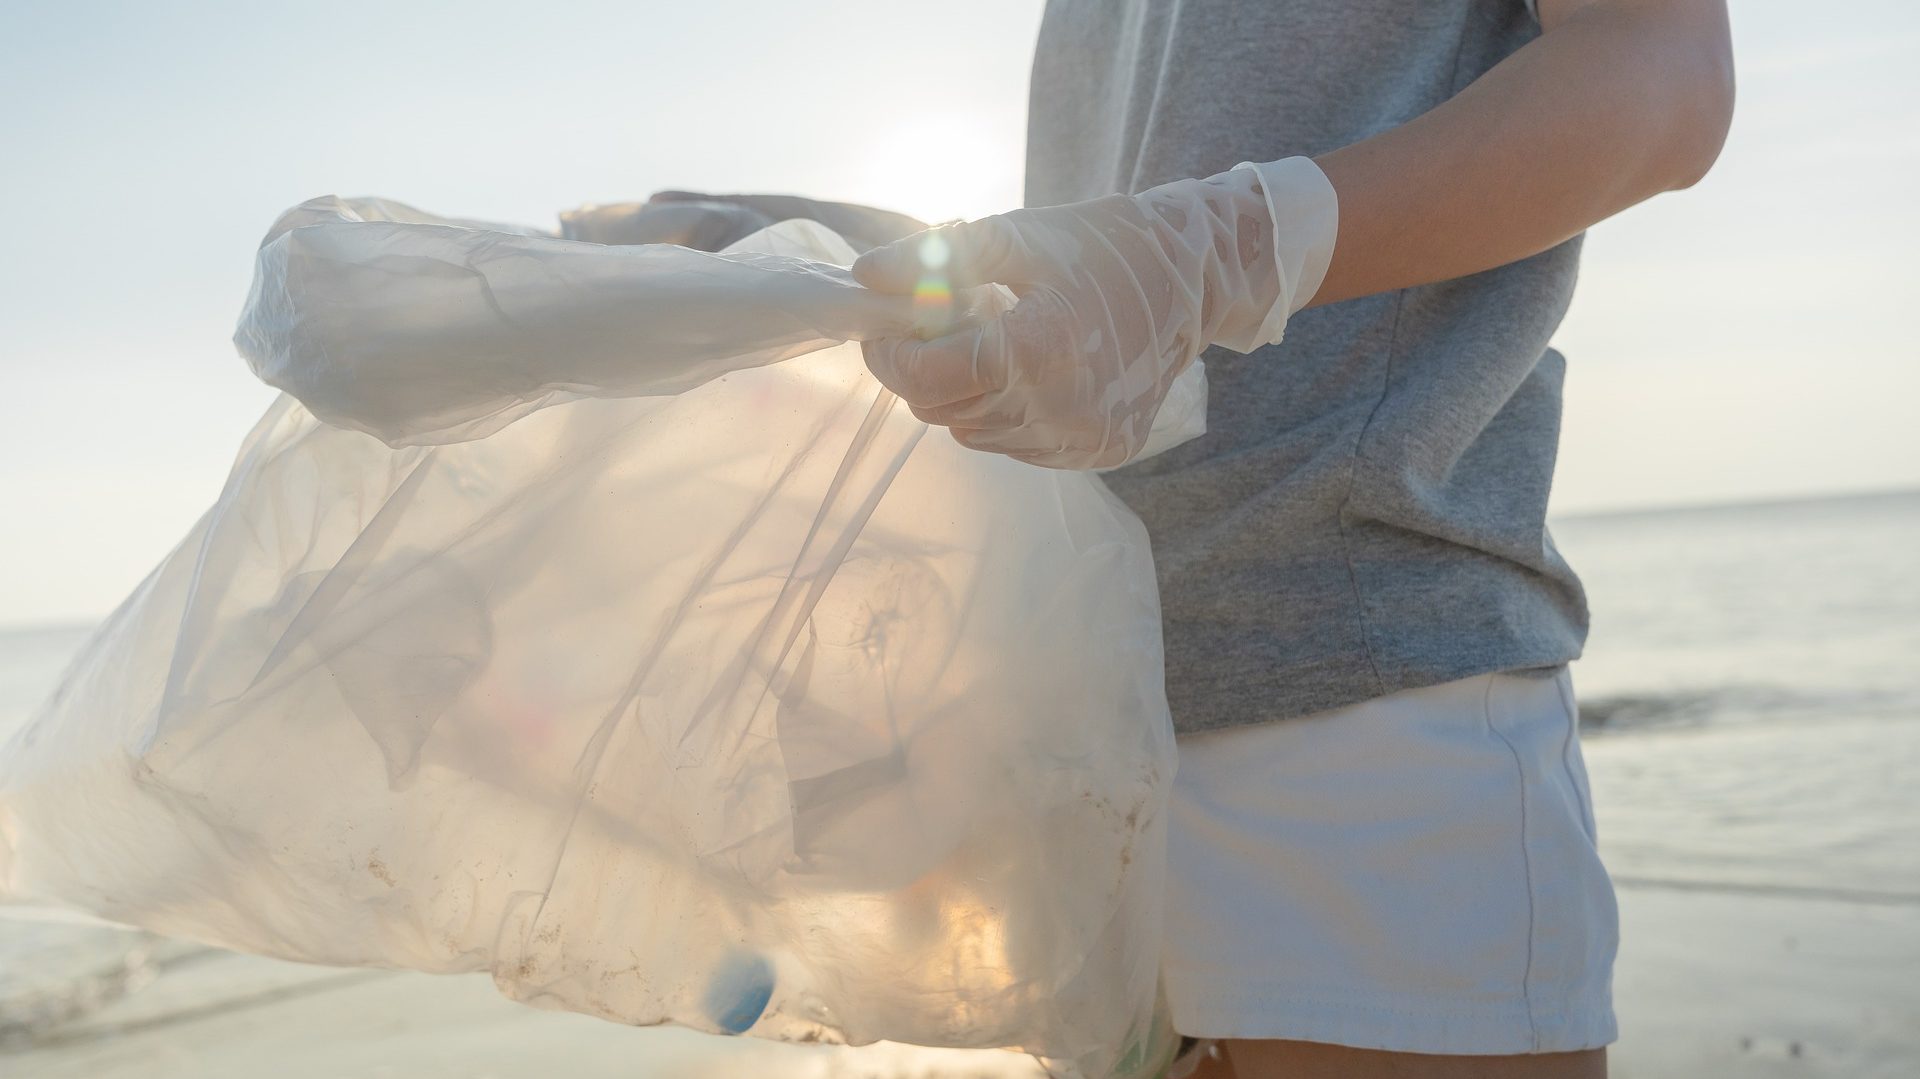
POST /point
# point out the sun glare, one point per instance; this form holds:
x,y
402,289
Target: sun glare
x,y
940,167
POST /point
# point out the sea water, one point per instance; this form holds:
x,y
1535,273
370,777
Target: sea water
x,y
1750,695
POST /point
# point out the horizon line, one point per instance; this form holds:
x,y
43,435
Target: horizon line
x,y
80,622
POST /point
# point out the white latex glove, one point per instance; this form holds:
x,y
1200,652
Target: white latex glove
x,y
1116,295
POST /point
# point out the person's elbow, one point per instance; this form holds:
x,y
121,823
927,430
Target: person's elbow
x,y
1701,92
1674,77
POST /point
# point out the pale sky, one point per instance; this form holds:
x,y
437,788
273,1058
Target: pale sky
x,y
1749,338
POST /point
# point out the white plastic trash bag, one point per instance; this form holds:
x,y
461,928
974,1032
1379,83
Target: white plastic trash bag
x,y
717,696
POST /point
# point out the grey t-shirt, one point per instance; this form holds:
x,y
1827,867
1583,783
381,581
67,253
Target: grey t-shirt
x,y
1366,513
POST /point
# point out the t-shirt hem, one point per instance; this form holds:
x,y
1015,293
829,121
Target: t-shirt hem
x,y
1281,698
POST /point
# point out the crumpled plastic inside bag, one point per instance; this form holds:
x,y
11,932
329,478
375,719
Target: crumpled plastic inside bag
x,y
650,658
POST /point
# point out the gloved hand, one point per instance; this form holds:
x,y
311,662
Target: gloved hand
x,y
1116,296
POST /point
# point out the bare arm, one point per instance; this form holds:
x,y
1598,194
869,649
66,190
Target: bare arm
x,y
1618,101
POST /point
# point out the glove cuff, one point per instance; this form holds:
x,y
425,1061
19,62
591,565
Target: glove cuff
x,y
1306,221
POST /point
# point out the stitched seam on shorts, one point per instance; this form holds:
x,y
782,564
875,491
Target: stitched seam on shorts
x,y
1520,1010
1586,1018
1580,791
1583,1016
1526,859
1568,1006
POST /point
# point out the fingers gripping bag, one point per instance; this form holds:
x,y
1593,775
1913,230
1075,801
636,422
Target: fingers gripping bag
x,y
588,615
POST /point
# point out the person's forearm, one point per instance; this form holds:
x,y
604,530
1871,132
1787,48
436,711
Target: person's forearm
x,y
1618,101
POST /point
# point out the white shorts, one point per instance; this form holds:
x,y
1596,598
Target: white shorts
x,y
1415,873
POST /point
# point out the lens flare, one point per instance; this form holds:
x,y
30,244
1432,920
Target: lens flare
x,y
932,294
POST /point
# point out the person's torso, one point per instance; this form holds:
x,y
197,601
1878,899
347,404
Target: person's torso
x,y
1367,511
